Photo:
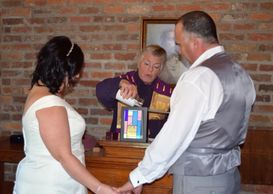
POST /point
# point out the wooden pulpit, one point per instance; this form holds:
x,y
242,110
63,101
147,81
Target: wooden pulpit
x,y
116,160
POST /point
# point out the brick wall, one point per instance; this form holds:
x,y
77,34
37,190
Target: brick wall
x,y
109,32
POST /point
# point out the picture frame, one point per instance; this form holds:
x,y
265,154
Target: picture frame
x,y
134,124
157,31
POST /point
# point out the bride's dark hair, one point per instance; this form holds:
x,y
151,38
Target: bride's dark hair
x,y
58,58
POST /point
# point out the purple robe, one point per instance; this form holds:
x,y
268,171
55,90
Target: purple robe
x,y
106,92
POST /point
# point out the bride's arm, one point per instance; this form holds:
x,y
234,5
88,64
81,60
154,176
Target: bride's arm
x,y
55,133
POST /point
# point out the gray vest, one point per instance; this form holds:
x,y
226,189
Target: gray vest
x,y
215,148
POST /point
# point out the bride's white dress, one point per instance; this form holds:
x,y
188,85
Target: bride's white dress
x,y
39,172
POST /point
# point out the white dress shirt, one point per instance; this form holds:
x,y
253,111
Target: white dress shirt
x,y
197,96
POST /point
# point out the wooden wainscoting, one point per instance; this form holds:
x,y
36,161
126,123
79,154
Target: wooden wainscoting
x,y
113,164
257,158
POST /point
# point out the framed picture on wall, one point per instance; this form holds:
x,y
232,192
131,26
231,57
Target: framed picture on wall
x,y
133,124
162,32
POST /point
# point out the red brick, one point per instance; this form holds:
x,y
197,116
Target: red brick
x,y
6,82
115,66
30,56
80,19
10,73
17,12
267,6
218,6
244,6
21,82
56,20
42,29
130,1
128,19
35,2
231,36
87,101
105,2
266,68
12,91
261,37
11,126
71,101
241,47
106,19
12,55
158,8
224,27
16,117
91,120
128,37
82,111
37,21
89,10
244,27
259,118
234,17
188,7
56,2
133,47
103,112
79,92
15,46
4,116
7,30
259,57
139,9
114,9
101,75
79,2
90,28
68,10
19,99
133,28
13,21
23,29
250,66
94,65
101,56
263,108
126,56
261,16
14,3
261,77
263,98
12,38
105,121
265,26
112,47
265,88
88,83
114,28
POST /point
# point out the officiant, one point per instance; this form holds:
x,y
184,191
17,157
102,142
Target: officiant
x,y
144,86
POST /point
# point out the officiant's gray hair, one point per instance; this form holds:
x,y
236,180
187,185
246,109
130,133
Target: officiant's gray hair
x,y
155,50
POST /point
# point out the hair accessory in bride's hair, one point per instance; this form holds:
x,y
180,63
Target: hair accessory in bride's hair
x,y
70,50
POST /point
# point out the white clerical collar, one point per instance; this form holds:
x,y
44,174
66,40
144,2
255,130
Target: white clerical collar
x,y
207,54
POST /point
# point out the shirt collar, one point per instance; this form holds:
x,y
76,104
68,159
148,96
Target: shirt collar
x,y
207,54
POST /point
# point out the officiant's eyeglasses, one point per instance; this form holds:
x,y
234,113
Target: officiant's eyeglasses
x,y
156,66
